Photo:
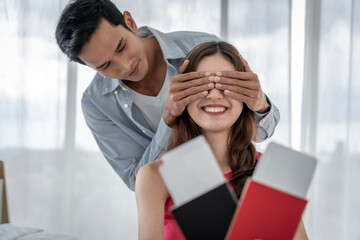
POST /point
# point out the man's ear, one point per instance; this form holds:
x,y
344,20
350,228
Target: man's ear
x,y
129,21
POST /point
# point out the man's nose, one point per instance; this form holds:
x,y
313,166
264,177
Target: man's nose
x,y
215,94
123,65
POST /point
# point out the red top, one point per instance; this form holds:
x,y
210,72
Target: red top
x,y
172,230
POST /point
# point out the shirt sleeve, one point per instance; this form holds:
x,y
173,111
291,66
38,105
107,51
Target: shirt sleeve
x,y
266,122
124,148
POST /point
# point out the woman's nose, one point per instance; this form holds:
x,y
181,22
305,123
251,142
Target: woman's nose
x,y
215,94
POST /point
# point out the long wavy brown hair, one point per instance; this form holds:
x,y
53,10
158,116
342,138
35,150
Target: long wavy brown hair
x,y
241,151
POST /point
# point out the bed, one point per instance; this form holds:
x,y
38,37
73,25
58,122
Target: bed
x,y
10,231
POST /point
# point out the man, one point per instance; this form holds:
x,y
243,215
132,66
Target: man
x,y
139,89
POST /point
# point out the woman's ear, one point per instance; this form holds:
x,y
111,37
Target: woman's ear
x,y
130,23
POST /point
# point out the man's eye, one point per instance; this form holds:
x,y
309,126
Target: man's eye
x,y
122,48
106,66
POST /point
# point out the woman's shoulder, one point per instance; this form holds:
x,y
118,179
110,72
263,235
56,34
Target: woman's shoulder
x,y
151,168
149,179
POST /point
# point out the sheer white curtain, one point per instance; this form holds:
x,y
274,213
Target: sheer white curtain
x,y
331,117
58,179
32,110
261,31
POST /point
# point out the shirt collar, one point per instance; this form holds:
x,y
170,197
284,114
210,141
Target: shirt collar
x,y
169,49
109,84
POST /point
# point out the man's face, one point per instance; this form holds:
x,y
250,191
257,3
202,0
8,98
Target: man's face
x,y
116,52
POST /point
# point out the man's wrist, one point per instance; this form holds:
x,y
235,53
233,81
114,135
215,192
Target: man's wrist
x,y
264,109
168,120
266,106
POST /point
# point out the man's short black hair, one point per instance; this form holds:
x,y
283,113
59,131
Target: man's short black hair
x,y
79,21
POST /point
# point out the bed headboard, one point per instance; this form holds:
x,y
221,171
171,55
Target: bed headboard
x,y
4,216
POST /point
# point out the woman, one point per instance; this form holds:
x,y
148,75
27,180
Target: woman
x,y
227,125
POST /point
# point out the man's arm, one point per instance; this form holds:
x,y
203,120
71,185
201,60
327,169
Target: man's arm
x,y
266,122
126,148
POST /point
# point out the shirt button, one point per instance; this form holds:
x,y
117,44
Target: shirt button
x,y
124,89
116,92
144,131
126,105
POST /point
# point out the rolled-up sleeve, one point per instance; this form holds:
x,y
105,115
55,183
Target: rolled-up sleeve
x,y
266,122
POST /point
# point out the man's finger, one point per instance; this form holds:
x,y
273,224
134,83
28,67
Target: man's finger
x,y
250,103
244,63
179,86
183,66
254,85
186,101
236,96
192,91
189,76
237,75
240,90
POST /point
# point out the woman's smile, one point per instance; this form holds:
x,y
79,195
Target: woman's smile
x,y
214,110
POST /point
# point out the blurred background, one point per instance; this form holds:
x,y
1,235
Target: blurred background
x,y
306,53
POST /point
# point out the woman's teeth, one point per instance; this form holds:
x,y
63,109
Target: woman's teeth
x,y
214,109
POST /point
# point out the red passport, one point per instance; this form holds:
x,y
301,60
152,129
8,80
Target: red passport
x,y
265,213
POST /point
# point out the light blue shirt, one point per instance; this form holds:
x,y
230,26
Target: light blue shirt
x,y
119,127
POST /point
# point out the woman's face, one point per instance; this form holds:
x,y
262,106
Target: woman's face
x,y
215,112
